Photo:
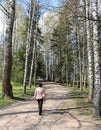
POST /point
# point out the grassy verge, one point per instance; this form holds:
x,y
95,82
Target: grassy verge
x,y
81,98
17,93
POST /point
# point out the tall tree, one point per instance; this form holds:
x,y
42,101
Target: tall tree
x,y
29,37
89,50
6,83
97,67
34,44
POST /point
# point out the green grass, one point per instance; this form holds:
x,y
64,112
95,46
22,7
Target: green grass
x,y
17,93
99,118
81,98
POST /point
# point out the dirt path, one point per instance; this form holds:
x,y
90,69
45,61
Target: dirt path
x,y
59,113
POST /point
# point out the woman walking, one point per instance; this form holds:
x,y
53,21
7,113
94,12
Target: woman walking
x,y
40,95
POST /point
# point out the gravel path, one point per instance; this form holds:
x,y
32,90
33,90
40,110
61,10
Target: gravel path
x,y
59,113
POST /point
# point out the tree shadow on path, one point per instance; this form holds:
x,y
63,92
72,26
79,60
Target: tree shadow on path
x,y
16,113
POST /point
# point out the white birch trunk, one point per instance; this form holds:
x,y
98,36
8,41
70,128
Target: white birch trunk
x,y
46,66
97,67
29,36
35,36
32,64
80,61
89,50
35,68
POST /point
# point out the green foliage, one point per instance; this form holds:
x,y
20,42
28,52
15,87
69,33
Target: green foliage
x,y
62,48
18,65
40,67
22,23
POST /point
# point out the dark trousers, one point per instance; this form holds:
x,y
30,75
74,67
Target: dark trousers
x,y
40,103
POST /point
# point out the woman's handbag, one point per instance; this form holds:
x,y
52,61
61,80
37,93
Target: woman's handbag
x,y
44,97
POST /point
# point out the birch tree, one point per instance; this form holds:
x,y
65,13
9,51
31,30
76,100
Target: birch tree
x,y
35,37
29,37
89,50
97,67
32,65
6,83
80,57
